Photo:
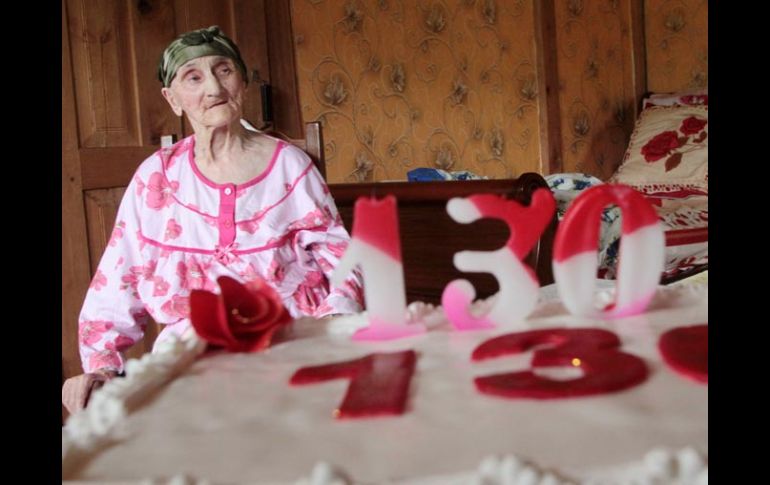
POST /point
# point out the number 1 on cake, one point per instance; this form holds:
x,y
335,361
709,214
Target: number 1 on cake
x,y
376,246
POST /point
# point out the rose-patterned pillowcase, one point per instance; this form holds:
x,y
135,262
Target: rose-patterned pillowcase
x,y
668,151
677,99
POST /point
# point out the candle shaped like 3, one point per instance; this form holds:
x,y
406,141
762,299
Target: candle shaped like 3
x,y
518,284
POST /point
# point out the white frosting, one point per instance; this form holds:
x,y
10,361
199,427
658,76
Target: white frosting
x,y
326,474
233,418
103,421
658,467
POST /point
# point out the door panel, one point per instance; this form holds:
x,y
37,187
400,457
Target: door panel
x,y
75,272
100,40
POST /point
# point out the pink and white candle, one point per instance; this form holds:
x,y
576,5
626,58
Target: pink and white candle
x,y
376,246
518,283
641,257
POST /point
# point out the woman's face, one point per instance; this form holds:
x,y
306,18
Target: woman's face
x,y
209,90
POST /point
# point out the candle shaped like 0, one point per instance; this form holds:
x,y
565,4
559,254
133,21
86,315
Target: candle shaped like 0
x,y
641,256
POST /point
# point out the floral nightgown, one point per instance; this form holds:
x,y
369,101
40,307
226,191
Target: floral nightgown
x,y
176,231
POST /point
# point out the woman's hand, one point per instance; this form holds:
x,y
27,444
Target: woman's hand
x,y
76,390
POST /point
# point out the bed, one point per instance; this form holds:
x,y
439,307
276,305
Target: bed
x,y
666,160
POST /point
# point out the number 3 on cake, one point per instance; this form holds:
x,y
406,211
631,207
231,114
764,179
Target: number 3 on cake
x,y
592,350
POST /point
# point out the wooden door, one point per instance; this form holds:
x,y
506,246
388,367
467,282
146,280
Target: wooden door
x,y
113,117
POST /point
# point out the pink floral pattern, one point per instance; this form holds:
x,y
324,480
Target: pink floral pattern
x,y
177,307
173,230
135,275
324,309
117,233
308,295
91,331
99,281
337,249
159,286
140,316
148,270
166,244
306,300
105,359
130,281
139,186
120,343
325,265
226,254
353,291
141,242
192,274
160,191
251,273
250,226
314,219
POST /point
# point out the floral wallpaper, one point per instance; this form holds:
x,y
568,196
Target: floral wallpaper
x,y
596,83
452,84
677,45
401,84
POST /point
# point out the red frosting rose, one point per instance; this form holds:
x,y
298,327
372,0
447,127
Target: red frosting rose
x,y
692,125
243,318
660,146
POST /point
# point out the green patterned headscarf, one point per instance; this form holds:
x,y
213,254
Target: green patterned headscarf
x,y
194,44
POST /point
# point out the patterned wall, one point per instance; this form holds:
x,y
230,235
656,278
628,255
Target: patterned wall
x,y
596,83
677,45
400,84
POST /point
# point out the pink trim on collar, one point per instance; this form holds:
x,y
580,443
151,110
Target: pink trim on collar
x,y
191,159
267,209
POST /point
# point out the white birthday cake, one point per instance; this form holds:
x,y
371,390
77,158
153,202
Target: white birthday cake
x,y
188,416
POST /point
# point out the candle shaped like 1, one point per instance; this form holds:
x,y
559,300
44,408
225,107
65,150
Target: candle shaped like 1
x,y
640,260
518,284
376,246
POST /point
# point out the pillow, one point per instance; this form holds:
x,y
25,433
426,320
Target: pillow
x,y
668,152
677,99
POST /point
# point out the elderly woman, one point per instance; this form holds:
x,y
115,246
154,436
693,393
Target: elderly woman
x,y
224,201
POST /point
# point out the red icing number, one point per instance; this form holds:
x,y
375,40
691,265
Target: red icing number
x,y
686,351
379,383
595,351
